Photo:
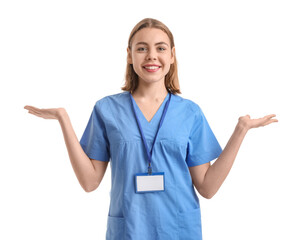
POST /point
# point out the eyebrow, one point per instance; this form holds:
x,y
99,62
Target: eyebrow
x,y
159,43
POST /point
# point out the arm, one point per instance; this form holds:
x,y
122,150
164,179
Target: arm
x,y
88,171
208,178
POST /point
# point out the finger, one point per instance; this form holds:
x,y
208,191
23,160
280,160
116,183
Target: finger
x,y
35,110
266,118
30,108
270,121
270,116
32,113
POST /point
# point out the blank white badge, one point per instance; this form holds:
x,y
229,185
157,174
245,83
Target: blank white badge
x,y
149,183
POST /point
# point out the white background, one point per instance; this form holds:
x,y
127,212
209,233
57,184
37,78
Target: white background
x,y
235,58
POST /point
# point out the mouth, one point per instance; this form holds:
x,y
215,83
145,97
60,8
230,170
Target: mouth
x,y
151,68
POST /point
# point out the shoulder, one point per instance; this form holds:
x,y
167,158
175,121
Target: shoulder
x,y
187,104
117,98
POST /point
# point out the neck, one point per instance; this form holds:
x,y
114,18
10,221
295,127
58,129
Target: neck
x,y
151,91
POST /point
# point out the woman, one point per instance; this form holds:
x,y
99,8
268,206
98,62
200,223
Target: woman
x,y
160,145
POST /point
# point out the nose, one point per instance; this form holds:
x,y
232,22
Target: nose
x,y
151,55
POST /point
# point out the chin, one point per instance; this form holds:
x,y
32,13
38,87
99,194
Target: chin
x,y
150,81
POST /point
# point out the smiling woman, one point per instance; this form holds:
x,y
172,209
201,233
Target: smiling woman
x,y
159,144
160,40
152,62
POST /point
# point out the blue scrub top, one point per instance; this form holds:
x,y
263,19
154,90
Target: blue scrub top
x,y
184,140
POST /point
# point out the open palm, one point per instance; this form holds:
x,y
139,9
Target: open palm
x,y
249,123
48,113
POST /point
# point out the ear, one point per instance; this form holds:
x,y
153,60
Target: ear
x,y
129,57
172,55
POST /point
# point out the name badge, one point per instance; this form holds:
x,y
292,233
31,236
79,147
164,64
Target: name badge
x,y
149,183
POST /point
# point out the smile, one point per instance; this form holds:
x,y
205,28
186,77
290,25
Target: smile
x,y
151,68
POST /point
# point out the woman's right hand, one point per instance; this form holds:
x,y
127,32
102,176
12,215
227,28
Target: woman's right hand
x,y
48,113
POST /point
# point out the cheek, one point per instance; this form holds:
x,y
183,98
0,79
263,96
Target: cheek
x,y
135,64
136,68
137,59
167,63
167,68
167,59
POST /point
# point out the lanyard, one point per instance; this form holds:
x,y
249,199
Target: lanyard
x,y
149,153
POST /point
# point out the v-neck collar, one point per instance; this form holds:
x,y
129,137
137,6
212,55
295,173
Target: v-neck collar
x,y
156,113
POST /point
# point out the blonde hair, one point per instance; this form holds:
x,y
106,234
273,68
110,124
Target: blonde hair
x,y
171,79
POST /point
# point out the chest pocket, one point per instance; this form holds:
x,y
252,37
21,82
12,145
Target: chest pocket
x,y
174,154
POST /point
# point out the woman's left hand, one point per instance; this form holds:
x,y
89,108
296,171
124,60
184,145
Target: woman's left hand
x,y
249,123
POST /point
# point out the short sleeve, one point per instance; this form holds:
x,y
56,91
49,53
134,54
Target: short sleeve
x,y
202,145
94,140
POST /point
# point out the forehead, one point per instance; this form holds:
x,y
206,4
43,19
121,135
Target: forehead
x,y
151,36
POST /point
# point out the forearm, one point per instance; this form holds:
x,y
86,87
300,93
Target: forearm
x,y
80,162
217,173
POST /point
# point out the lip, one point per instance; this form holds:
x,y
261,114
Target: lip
x,y
150,65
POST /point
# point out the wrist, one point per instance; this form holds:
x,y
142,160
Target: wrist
x,y
61,114
242,127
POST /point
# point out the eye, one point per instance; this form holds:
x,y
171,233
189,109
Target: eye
x,y
141,49
161,49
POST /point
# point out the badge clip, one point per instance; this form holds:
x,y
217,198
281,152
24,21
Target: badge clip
x,y
150,169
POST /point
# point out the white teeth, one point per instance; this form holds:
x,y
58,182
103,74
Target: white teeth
x,y
153,67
